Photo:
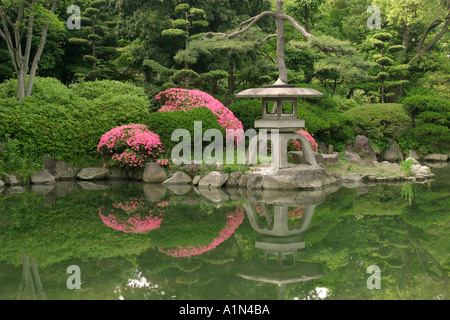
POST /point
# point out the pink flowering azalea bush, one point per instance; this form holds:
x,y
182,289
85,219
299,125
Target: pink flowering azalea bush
x,y
133,215
131,147
295,145
234,220
177,99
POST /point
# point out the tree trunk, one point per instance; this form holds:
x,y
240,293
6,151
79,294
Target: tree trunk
x,y
280,43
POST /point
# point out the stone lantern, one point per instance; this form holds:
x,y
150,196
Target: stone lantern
x,y
279,114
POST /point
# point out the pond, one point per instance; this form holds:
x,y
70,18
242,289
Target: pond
x,y
130,241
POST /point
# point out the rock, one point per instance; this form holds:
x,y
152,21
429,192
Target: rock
x,y
179,178
42,177
191,169
138,175
328,160
414,154
436,157
196,180
420,170
394,153
330,149
243,181
352,157
414,161
2,184
323,147
351,178
60,170
214,179
299,177
297,157
93,173
364,148
154,173
233,180
11,180
255,182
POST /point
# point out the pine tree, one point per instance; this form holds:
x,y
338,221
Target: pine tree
x,y
97,40
388,67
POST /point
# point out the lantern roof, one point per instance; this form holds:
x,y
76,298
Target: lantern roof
x,y
280,90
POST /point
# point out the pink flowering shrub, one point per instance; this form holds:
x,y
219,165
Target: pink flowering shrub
x,y
177,99
295,145
234,220
131,147
133,216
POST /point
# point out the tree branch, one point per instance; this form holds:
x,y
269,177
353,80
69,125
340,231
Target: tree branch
x,y
251,22
296,25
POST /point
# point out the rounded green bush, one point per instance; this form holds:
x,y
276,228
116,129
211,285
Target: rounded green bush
x,y
380,122
68,123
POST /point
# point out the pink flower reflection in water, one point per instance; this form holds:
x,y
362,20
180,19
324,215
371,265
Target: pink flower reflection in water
x,y
234,220
136,223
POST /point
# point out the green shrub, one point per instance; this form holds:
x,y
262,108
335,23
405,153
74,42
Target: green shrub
x,y
431,119
165,123
381,123
329,125
415,105
247,111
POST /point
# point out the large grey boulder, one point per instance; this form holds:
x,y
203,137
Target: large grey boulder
x,y
11,180
419,170
214,179
363,147
191,169
60,170
352,157
327,160
233,180
154,173
179,178
303,177
93,173
255,182
394,153
296,157
436,157
2,184
42,177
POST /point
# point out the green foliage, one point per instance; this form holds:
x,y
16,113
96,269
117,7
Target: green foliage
x,y
247,111
68,123
380,122
431,117
165,123
326,122
407,166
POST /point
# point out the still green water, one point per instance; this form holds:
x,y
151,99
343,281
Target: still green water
x,y
130,241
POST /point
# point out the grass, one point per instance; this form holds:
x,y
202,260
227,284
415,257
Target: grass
x,y
344,167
